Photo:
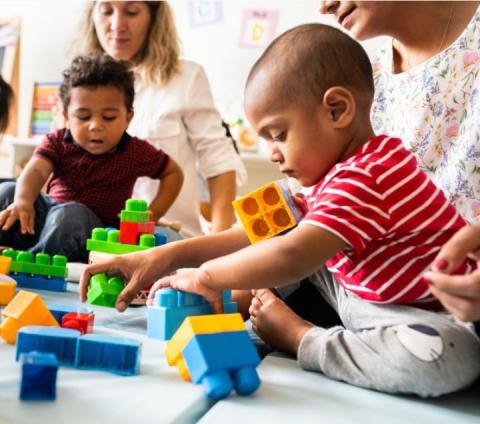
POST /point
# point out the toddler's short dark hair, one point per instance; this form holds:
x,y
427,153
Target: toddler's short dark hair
x,y
94,70
309,59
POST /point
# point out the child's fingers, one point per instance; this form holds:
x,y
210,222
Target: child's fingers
x,y
9,221
25,223
129,292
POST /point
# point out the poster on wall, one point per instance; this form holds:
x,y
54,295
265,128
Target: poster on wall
x,y
205,12
258,27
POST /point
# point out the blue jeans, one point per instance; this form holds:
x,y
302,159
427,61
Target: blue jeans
x,y
59,228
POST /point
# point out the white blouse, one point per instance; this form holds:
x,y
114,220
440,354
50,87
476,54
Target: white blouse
x,y
435,109
181,119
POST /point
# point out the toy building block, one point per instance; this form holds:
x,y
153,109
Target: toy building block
x,y
40,282
60,341
171,307
26,308
7,291
42,265
58,310
114,354
160,239
130,232
135,211
222,362
82,322
39,376
108,241
104,291
267,211
195,325
5,264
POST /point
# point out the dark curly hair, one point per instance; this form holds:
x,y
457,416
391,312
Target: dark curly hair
x,y
96,70
6,98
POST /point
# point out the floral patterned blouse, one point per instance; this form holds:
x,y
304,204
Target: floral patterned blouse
x,y
435,109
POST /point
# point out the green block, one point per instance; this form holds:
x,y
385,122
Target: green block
x,y
131,216
104,291
107,241
40,264
135,205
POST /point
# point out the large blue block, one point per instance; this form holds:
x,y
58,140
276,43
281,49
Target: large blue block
x,y
171,307
222,361
58,310
38,282
60,341
39,376
115,354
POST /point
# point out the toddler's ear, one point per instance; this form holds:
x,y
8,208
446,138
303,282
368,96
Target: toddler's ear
x,y
340,105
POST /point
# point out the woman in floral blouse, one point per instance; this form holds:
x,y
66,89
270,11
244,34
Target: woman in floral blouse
x,y
427,82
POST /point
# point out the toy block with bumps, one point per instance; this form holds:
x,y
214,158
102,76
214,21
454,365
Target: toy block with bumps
x,y
171,307
216,351
5,264
267,211
82,322
26,308
38,271
58,310
39,376
108,241
106,353
60,341
103,291
7,290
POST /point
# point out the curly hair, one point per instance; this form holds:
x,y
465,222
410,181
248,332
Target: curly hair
x,y
95,70
6,98
158,60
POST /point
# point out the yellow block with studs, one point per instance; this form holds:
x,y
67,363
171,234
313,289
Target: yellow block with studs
x,y
5,264
7,291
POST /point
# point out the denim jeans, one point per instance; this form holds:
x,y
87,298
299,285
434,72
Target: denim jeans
x,y
59,228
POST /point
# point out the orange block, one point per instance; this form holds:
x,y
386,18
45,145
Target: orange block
x,y
5,263
7,291
26,308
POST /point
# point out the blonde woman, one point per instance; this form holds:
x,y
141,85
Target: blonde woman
x,y
173,107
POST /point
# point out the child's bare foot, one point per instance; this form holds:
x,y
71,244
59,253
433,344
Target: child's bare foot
x,y
275,322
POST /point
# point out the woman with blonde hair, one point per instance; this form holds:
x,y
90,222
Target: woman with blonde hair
x,y
173,106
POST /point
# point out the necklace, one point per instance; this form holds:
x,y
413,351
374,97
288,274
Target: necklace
x,y
441,46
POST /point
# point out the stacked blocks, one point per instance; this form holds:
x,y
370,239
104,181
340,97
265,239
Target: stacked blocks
x,y
82,322
104,291
171,307
114,354
26,308
108,241
39,376
40,272
216,351
267,211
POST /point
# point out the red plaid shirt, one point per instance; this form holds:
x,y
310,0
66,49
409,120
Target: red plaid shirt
x,y
101,182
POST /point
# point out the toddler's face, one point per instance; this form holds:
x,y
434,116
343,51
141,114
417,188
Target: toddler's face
x,y
97,117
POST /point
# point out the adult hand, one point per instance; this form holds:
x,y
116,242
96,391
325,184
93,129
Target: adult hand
x,y
137,269
22,211
460,294
192,280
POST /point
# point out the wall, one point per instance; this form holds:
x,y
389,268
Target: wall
x,y
48,25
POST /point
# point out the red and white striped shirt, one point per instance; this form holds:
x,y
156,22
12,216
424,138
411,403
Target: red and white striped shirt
x,y
394,219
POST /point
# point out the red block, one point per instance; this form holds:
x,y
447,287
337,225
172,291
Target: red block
x,y
129,232
82,322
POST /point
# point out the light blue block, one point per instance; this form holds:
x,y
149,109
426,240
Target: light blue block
x,y
39,376
222,361
60,341
106,353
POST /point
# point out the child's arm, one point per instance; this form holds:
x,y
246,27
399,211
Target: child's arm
x,y
274,262
171,183
29,184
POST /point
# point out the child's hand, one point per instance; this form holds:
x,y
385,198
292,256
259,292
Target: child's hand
x,y
22,211
190,280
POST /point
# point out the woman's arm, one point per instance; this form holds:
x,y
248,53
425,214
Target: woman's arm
x,y
222,193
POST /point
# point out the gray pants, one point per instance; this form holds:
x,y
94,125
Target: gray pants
x,y
391,348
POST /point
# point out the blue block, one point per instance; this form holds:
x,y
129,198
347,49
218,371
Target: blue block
x,y
39,376
60,341
160,239
106,353
58,310
39,282
222,361
171,307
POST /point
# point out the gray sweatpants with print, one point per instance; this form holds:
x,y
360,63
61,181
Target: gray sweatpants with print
x,y
391,348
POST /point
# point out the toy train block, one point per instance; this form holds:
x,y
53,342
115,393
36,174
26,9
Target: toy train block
x,y
222,362
130,232
108,241
267,211
40,282
7,290
82,322
5,264
114,354
171,307
60,341
39,376
59,311
135,211
196,325
103,291
39,264
26,308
